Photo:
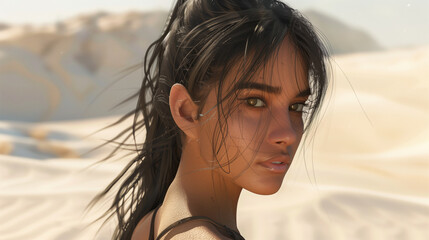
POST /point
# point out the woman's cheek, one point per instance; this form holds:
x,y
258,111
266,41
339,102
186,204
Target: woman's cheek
x,y
243,125
298,125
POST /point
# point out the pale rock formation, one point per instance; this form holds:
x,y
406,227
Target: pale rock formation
x,y
82,67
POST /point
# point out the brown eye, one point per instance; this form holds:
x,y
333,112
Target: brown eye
x,y
297,107
255,102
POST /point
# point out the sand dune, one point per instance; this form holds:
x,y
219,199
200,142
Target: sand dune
x,y
45,200
66,68
336,213
341,37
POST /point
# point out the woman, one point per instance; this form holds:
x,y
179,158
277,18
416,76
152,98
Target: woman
x,y
228,91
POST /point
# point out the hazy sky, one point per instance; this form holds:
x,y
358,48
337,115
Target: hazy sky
x,y
391,22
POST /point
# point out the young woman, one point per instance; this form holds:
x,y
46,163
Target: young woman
x,y
228,91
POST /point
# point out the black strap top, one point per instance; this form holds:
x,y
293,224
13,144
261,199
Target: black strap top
x,y
222,228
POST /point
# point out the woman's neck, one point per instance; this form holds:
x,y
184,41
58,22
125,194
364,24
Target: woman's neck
x,y
198,190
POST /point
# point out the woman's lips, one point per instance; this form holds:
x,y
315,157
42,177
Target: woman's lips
x,y
278,164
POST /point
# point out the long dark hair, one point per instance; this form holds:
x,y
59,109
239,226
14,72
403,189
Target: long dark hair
x,y
202,39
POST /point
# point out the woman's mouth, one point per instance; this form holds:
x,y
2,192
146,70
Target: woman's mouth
x,y
278,164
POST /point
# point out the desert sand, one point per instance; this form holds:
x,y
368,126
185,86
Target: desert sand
x,y
364,175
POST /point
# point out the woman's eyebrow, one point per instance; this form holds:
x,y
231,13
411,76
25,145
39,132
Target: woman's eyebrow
x,y
304,93
271,89
259,86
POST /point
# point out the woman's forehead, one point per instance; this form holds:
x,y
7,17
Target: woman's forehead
x,y
286,65
285,70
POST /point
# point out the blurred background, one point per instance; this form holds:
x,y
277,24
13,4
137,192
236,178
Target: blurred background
x,y
65,54
64,66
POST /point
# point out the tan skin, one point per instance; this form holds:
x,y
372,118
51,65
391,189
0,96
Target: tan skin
x,y
201,187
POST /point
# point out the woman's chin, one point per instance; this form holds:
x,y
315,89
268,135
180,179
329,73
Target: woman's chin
x,y
264,189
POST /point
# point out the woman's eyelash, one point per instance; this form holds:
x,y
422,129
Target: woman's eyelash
x,y
259,102
298,107
256,102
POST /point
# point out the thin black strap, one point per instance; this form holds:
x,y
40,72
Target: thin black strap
x,y
152,224
232,234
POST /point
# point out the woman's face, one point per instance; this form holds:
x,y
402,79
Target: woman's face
x,y
264,127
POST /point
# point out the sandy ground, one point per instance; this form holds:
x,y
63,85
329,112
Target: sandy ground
x,y
364,175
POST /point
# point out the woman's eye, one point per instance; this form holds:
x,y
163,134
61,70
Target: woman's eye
x,y
297,107
255,102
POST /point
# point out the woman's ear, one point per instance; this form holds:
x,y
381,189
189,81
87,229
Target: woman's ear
x,y
184,110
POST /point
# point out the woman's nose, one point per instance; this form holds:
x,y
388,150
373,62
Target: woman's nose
x,y
283,130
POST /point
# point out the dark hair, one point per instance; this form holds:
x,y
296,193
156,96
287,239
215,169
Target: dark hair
x,y
202,40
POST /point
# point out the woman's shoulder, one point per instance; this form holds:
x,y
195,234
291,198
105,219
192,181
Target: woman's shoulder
x,y
187,228
195,230
141,231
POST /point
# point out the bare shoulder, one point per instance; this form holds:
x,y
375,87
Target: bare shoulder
x,y
195,230
143,227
